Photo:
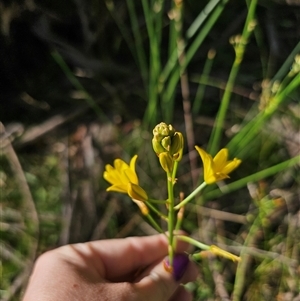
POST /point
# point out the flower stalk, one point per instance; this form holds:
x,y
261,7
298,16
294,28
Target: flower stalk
x,y
168,145
160,214
171,217
154,223
180,215
190,196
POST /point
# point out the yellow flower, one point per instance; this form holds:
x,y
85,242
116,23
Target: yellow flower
x,y
124,179
217,168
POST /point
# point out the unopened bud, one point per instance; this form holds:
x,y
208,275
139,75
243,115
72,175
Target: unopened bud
x,y
177,146
166,162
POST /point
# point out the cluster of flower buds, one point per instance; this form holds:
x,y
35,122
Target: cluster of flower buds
x,y
168,145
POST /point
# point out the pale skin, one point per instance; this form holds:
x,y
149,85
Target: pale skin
x,y
127,269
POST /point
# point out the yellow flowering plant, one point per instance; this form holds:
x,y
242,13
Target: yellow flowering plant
x,y
168,145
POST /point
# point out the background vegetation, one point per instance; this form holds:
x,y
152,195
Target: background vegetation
x,y
84,82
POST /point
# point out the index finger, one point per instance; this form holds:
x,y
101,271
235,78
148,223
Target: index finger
x,y
114,258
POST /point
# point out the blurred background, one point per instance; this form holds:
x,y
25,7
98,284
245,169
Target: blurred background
x,y
83,82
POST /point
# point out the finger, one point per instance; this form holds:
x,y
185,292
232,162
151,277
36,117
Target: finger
x,y
181,294
161,285
115,258
191,273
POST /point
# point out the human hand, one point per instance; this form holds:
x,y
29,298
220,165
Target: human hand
x,y
129,269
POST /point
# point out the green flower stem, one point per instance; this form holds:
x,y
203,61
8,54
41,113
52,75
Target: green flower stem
x,y
152,201
193,242
191,196
164,217
170,181
179,220
154,224
175,166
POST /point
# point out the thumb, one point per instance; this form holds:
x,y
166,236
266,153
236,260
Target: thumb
x,y
159,284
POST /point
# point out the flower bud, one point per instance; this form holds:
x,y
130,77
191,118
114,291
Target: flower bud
x,y
166,139
166,162
163,130
157,147
162,137
166,143
177,146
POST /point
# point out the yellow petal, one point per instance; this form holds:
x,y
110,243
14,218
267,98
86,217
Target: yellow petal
x,y
132,163
220,176
111,176
136,192
221,158
108,167
120,164
118,188
131,176
231,165
208,165
210,178
203,154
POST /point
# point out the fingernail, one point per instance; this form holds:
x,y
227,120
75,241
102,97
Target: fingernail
x,y
180,263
